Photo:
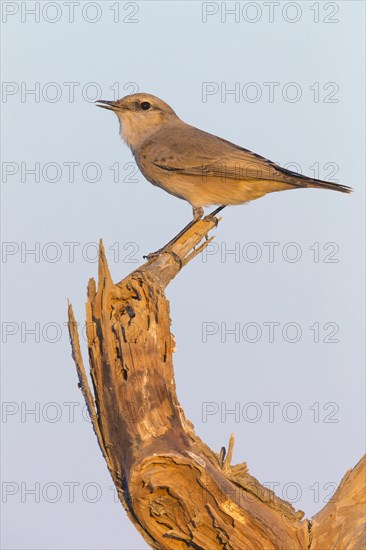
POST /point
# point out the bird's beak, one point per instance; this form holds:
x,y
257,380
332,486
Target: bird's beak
x,y
110,105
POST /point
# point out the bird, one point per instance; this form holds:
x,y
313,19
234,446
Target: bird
x,y
196,166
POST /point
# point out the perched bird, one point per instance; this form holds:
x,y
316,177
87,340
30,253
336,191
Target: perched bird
x,y
194,165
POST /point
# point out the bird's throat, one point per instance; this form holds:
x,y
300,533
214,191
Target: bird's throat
x,y
134,133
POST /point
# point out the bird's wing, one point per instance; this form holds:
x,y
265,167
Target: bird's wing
x,y
193,152
189,151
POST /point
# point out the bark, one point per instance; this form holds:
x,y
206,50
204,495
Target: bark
x,y
177,492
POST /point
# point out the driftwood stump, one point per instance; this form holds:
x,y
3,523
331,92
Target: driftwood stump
x,y
176,491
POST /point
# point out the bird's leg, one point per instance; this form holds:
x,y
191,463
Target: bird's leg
x,y
197,215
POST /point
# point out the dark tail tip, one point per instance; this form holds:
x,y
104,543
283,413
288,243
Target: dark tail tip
x,y
331,186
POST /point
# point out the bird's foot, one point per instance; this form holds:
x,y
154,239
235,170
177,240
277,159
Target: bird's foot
x,y
164,250
213,215
167,249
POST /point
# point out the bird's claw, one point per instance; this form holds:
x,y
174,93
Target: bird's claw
x,y
212,217
165,250
152,255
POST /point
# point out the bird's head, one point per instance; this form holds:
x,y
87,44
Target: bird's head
x,y
140,115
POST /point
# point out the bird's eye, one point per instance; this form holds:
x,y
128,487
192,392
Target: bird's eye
x,y
145,105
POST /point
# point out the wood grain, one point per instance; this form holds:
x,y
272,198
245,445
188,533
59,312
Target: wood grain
x,y
177,492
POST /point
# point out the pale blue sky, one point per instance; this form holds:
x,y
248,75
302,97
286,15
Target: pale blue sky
x,y
169,51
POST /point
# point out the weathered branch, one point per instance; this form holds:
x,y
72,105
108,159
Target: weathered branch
x,y
177,492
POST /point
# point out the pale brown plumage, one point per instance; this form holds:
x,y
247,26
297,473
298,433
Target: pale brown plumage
x,y
194,165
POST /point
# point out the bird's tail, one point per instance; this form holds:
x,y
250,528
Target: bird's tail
x,y
298,180
328,185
